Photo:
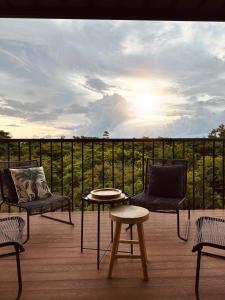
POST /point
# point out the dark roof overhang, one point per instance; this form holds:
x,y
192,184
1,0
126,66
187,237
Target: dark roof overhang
x,y
176,10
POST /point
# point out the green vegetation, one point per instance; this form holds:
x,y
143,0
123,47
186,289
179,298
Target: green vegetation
x,y
218,132
4,135
81,164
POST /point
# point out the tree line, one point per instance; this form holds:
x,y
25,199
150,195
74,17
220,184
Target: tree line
x,y
73,168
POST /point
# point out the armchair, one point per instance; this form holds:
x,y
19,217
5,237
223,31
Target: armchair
x,y
165,189
36,203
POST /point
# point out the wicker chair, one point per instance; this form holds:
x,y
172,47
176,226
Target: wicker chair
x,y
210,233
165,189
42,206
11,231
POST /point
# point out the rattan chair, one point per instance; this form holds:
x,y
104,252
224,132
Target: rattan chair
x,y
42,206
210,233
11,232
165,189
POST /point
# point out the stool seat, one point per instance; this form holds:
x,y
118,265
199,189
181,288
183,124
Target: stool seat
x,y
133,215
129,214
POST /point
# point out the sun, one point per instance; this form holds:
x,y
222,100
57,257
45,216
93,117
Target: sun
x,y
145,104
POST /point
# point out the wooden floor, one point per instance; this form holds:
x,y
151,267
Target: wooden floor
x,y
54,268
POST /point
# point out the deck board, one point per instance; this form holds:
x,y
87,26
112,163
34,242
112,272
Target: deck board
x,y
54,268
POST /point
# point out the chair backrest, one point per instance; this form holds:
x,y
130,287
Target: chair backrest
x,y
180,170
8,191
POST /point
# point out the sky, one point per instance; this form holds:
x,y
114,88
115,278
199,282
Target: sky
x,y
132,78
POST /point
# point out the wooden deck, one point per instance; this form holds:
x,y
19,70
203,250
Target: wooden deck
x,y
54,268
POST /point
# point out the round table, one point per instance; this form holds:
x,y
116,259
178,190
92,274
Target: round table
x,y
99,202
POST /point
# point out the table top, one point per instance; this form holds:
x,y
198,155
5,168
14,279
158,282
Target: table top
x,y
106,193
89,198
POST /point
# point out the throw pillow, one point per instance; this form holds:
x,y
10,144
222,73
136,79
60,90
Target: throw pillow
x,y
167,181
30,184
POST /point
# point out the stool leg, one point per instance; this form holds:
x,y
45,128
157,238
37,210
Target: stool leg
x,y
117,245
142,250
114,248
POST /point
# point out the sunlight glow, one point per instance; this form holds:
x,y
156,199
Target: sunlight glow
x,y
149,98
145,104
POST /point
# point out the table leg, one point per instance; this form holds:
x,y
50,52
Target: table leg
x,y
98,238
111,206
111,231
131,237
82,225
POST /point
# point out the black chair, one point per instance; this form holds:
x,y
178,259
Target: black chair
x,y
11,232
42,206
210,233
165,189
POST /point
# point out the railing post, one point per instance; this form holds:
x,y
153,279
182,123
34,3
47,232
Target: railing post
x,y
72,177
193,174
223,194
203,175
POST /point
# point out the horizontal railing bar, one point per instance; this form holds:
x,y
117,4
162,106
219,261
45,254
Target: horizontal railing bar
x,y
116,140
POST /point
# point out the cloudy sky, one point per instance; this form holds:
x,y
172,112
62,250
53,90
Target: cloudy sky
x,y
132,78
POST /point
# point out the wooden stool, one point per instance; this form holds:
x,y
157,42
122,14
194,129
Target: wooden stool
x,y
129,214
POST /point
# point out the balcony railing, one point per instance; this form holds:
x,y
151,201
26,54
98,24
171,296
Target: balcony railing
x,y
76,166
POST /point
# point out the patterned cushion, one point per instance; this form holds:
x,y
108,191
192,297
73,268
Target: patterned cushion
x,y
30,184
167,181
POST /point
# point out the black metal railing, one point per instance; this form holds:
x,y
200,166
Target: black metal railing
x,y
76,166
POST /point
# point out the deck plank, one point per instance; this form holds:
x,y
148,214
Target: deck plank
x,y
54,268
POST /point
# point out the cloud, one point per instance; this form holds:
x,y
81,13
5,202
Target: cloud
x,y
197,120
98,85
219,102
30,111
67,128
13,125
107,113
76,108
81,76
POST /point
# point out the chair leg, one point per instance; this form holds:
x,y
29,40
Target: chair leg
x,y
185,238
197,275
10,253
213,255
60,220
28,229
70,219
19,275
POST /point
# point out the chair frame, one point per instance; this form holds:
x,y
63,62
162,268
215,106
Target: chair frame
x,y
166,161
18,249
27,164
199,246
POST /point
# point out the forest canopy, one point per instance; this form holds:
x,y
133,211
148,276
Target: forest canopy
x,y
78,165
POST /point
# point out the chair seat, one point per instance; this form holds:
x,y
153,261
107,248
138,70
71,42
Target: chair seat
x,y
210,232
11,230
154,203
49,204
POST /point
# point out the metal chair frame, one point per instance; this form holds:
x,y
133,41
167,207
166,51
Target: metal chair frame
x,y
18,249
200,243
27,164
176,211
